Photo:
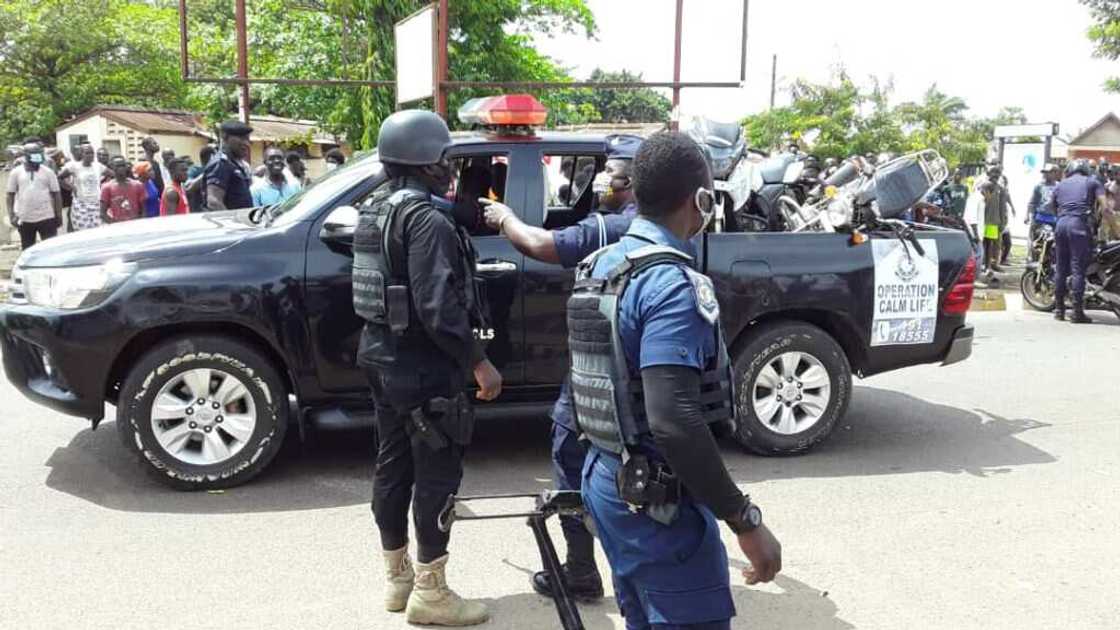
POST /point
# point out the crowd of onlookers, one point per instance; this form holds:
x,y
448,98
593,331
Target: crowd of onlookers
x,y
48,190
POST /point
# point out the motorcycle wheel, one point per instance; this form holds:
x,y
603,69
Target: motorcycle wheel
x,y
1038,290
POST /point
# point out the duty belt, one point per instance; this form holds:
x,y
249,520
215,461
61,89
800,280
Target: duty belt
x,y
642,483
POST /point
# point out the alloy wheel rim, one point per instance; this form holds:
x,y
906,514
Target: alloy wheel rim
x,y
203,416
791,393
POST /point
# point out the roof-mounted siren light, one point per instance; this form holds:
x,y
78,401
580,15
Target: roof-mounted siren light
x,y
509,110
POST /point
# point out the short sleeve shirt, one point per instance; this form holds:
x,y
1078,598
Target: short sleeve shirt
x,y
125,201
232,177
86,181
265,193
660,321
576,242
1077,195
34,193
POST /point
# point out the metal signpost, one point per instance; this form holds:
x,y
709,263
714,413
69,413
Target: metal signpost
x,y
416,60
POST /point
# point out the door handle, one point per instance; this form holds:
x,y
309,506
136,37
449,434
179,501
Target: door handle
x,y
499,266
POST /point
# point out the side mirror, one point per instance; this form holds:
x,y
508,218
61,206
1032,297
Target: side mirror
x,y
339,225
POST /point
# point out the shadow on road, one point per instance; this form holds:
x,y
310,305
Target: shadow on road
x,y
798,606
885,432
331,470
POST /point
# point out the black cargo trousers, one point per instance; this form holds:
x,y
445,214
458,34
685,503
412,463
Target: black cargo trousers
x,y
410,471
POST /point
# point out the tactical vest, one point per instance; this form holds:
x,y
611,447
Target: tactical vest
x,y
380,270
609,401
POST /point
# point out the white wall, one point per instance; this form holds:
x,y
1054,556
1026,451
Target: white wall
x,y
93,127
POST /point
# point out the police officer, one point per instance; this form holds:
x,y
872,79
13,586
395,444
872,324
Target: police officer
x,y
566,247
1074,201
228,176
651,377
414,284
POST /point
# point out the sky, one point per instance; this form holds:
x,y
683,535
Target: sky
x,y
992,53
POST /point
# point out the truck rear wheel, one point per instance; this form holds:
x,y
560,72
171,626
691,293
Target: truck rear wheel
x,y
793,382
203,412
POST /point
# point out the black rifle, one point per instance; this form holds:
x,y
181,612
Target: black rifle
x,y
548,503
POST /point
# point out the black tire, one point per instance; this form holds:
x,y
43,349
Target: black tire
x,y
263,387
1045,301
764,347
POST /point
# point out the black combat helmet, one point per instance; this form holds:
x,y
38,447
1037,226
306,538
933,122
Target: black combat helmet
x,y
414,137
1077,166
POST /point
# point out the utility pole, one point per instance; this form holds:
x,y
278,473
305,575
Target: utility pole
x,y
674,122
242,60
773,79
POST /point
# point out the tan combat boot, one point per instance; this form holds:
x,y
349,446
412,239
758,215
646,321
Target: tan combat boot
x,y
398,578
432,603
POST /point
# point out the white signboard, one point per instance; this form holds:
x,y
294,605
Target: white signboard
x,y
415,38
906,296
1022,165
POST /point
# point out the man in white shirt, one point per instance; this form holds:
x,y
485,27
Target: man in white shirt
x,y
974,219
34,197
84,178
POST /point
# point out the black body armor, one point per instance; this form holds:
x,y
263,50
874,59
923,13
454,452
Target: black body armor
x,y
609,402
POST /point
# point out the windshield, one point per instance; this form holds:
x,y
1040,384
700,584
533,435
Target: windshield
x,y
304,203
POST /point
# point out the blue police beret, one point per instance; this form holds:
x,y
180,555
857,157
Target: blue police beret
x,y
623,147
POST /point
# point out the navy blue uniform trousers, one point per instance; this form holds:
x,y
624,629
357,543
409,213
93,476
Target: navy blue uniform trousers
x,y
1073,241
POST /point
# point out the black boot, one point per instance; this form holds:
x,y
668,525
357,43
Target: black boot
x,y
584,583
1079,316
1060,314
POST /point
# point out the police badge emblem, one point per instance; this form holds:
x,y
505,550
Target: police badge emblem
x,y
906,270
706,302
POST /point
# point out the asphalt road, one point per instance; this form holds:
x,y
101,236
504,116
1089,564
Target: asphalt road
x,y
978,496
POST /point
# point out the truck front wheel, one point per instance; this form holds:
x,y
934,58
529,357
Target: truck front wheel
x,y
203,412
793,382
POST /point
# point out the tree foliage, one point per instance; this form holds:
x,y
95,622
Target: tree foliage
x,y
621,106
60,57
839,118
1105,33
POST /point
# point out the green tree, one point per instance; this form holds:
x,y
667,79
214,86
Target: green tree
x,y
839,119
354,39
58,58
1105,33
621,106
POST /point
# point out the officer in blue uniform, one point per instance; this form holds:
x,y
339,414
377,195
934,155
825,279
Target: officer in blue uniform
x,y
651,382
566,247
1074,201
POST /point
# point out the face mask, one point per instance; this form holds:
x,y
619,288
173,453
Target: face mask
x,y
705,204
331,166
35,158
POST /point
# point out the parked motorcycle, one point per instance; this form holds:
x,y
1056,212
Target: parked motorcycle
x,y
726,149
858,192
1102,278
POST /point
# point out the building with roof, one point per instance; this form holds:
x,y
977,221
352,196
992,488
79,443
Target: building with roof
x,y
1101,140
120,129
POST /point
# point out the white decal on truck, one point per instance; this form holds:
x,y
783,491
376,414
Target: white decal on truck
x,y
906,295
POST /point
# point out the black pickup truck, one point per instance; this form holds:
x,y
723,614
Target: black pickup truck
x,y
213,334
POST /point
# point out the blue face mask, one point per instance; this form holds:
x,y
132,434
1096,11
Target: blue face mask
x,y
35,158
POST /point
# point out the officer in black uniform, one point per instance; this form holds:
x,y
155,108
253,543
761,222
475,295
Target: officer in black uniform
x,y
414,284
228,177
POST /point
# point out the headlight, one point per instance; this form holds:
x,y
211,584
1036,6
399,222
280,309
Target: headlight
x,y
73,287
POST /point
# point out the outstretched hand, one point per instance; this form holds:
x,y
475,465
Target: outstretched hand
x,y
493,212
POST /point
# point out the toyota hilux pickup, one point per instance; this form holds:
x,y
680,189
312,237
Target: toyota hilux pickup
x,y
215,335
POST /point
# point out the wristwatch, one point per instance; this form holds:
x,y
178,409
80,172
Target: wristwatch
x,y
750,517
